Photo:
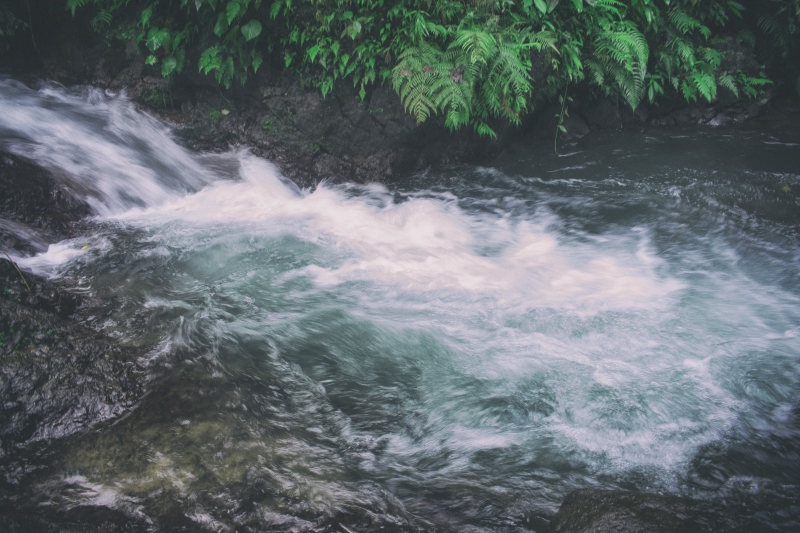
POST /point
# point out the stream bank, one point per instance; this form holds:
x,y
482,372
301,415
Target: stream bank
x,y
340,138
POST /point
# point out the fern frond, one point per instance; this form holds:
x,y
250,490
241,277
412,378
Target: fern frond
x,y
685,23
103,18
597,71
613,6
622,52
543,39
705,84
506,83
712,57
484,130
476,76
769,24
74,5
684,50
477,45
689,92
772,26
726,80
417,103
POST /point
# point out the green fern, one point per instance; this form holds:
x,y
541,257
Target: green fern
x,y
683,50
418,79
621,54
73,5
103,18
727,81
705,84
476,77
685,23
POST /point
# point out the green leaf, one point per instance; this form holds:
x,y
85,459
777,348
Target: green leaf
x,y
145,16
578,5
226,74
231,10
313,51
251,30
156,38
257,61
484,130
151,60
353,29
209,60
72,5
327,86
541,5
221,25
168,66
275,9
526,5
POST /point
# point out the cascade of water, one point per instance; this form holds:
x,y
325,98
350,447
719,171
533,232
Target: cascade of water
x,y
474,348
112,154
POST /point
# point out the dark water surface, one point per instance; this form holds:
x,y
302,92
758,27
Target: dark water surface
x,y
457,350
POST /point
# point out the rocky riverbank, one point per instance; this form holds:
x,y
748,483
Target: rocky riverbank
x,y
58,378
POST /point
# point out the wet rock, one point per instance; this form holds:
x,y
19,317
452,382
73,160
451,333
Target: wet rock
x,y
311,138
56,377
576,128
35,208
602,115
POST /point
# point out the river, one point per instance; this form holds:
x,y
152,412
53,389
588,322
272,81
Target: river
x,y
460,348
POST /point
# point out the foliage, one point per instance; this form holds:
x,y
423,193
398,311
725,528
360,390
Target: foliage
x,y
10,25
778,26
478,75
471,62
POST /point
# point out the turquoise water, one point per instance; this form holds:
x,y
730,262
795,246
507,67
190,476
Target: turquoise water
x,y
460,348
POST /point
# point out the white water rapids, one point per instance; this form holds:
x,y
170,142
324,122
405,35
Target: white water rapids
x,y
454,348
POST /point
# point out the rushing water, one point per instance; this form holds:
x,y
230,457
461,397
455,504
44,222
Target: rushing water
x,y
460,348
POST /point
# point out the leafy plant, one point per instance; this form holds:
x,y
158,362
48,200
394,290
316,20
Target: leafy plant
x,y
471,63
10,26
214,116
619,61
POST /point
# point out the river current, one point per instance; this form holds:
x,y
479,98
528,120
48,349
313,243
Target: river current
x,y
458,349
